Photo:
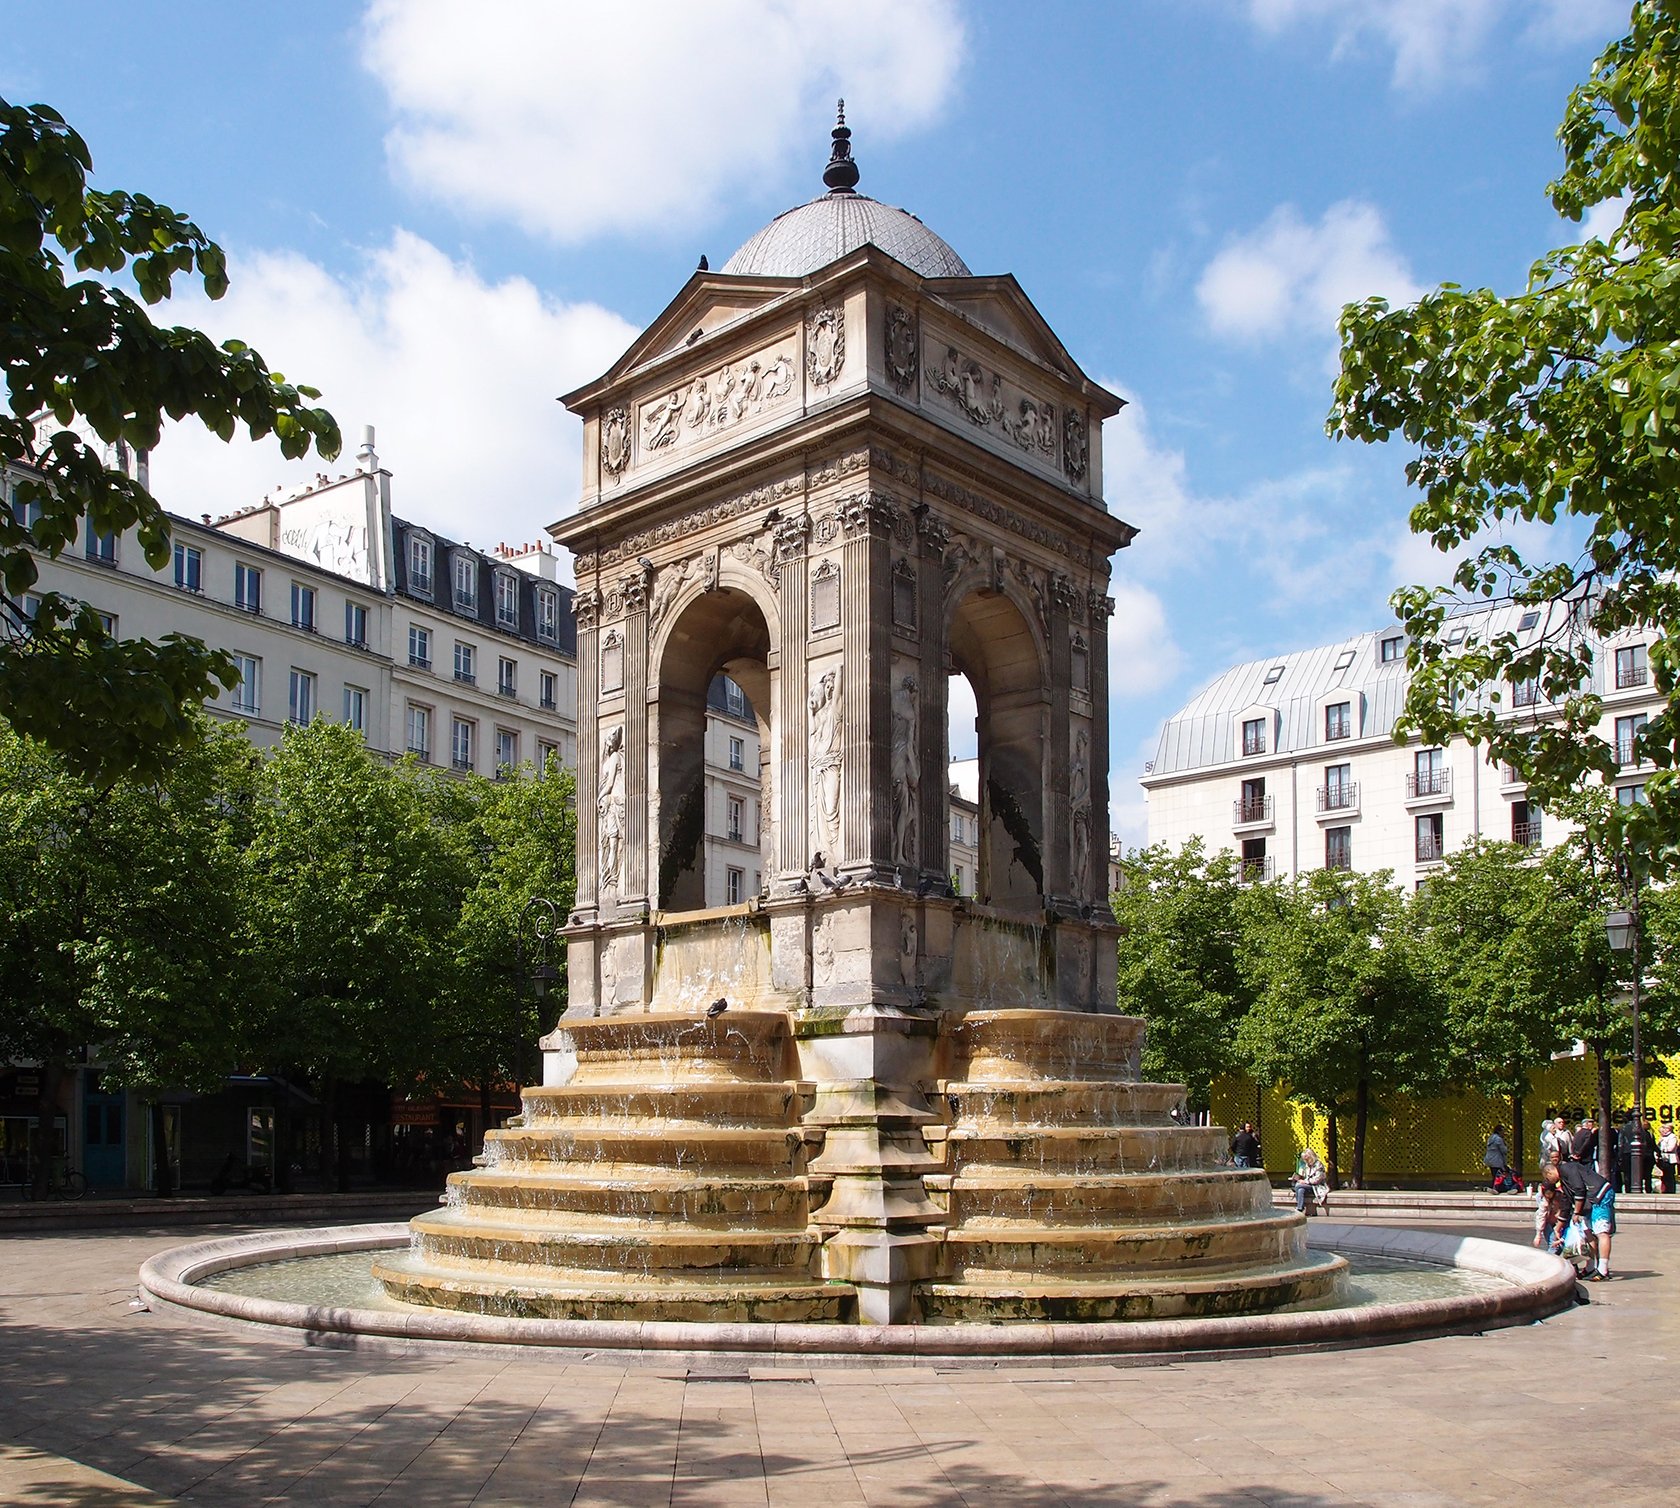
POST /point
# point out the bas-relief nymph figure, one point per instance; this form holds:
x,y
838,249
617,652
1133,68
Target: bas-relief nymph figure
x,y
609,807
825,764
906,769
1079,801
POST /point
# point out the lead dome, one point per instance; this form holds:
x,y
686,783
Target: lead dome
x,y
812,235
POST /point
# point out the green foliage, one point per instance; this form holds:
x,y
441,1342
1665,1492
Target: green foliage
x,y
124,925
1560,401
81,355
1184,920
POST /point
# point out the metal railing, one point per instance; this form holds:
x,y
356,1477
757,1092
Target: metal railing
x,y
1631,675
1626,753
1429,850
1256,869
1428,783
1526,834
1251,809
1342,797
466,677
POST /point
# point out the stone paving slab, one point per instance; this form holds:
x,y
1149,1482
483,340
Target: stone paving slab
x,y
101,1403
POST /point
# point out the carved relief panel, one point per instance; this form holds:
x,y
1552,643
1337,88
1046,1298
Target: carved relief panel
x,y
705,405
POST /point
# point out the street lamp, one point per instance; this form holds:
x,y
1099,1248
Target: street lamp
x,y
1621,928
540,921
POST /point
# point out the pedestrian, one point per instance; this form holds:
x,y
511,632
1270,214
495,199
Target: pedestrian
x,y
1308,1180
1245,1147
1496,1158
1668,1155
1551,1209
1554,1140
1583,1145
1592,1199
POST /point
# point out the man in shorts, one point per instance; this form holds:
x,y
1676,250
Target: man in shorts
x,y
1592,1199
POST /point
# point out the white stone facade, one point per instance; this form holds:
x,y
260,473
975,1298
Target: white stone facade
x,y
1290,762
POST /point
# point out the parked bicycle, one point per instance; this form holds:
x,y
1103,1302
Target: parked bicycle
x,y
65,1183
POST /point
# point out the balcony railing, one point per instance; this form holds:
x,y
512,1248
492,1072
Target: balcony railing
x,y
1626,751
1430,850
1526,834
1254,743
461,762
421,752
1343,797
1256,869
1508,775
466,677
1628,676
1338,859
1428,783
505,688
546,704
1525,693
419,662
1243,809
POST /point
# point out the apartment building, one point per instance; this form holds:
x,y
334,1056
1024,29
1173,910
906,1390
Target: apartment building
x,y
1291,761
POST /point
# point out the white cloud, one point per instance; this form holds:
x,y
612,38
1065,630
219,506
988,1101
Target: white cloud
x,y
1145,483
1602,220
1143,656
1291,277
457,374
574,120
1439,42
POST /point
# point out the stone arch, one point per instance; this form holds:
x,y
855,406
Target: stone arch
x,y
722,630
994,641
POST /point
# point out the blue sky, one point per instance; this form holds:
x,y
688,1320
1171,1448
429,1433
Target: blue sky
x,y
444,215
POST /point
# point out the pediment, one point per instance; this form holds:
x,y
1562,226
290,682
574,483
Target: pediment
x,y
1001,307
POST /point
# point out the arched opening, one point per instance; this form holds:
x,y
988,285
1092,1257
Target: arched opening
x,y
962,802
710,829
993,650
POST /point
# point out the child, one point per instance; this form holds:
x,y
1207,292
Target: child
x,y
1551,1210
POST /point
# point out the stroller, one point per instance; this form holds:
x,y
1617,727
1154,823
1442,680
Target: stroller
x,y
1507,1182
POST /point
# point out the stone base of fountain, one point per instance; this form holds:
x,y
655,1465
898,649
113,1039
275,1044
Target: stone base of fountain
x,y
995,1166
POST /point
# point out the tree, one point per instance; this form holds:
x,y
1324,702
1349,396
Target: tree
x,y
1562,401
81,355
1183,918
521,840
356,883
1502,964
1344,1010
124,918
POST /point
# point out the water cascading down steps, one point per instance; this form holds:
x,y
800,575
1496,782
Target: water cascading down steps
x,y
677,1176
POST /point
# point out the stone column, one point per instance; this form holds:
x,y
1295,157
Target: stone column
x,y
586,608
1060,883
792,855
1101,610
866,636
637,864
934,838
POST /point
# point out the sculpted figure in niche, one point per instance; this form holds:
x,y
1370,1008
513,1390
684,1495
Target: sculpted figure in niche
x,y
907,950
1079,798
665,588
609,978
609,807
906,769
825,764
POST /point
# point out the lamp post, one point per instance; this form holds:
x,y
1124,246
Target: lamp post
x,y
540,921
1621,928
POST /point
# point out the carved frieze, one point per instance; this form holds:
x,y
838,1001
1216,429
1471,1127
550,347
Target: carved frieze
x,y
758,551
979,394
825,345
615,441
674,529
717,400
903,348
1076,446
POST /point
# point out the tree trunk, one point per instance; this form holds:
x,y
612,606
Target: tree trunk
x,y
1606,1163
1331,1150
46,1112
163,1176
1519,1138
334,1151
281,1172
1361,1123
483,1109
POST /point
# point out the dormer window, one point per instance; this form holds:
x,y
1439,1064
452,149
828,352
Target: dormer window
x,y
507,601
1343,660
1393,648
1273,676
1254,735
548,615
466,584
420,565
1338,721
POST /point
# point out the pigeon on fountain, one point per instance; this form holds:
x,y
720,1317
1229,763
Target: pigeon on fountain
x,y
717,1007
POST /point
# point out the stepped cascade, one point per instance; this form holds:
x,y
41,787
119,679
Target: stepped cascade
x,y
841,470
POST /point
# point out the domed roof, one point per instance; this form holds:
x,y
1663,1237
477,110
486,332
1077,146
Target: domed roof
x,y
813,235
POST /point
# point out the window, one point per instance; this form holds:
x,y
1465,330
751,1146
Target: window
x,y
959,881
1527,621
1525,824
1455,635
420,565
300,697
507,676
1343,660
1525,693
355,624
1628,730
1340,794
466,662
1254,735
189,568
546,752
1429,774
737,754
507,600
1631,795
1338,848
355,708
100,548
507,749
1338,721
1273,676
1631,667
737,883
548,686
247,587
734,698
1431,837
27,514
247,693
303,607
1256,865
419,646
737,817
108,622
548,615
1252,805
466,584
461,744
1393,648
420,731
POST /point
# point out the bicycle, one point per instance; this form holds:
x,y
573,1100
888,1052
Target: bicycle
x,y
70,1184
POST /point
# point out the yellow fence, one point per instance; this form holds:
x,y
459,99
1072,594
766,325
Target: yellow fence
x,y
1426,1141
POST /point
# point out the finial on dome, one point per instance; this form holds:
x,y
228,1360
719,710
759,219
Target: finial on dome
x,y
841,174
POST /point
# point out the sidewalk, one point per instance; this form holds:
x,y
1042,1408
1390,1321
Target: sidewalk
x,y
1411,1206
102,1212
88,1384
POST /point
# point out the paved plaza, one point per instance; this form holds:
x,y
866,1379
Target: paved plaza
x,y
102,1404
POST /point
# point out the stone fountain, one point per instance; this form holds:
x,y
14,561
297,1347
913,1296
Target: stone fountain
x,y
839,469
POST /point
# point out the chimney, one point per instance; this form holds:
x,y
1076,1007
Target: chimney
x,y
366,458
